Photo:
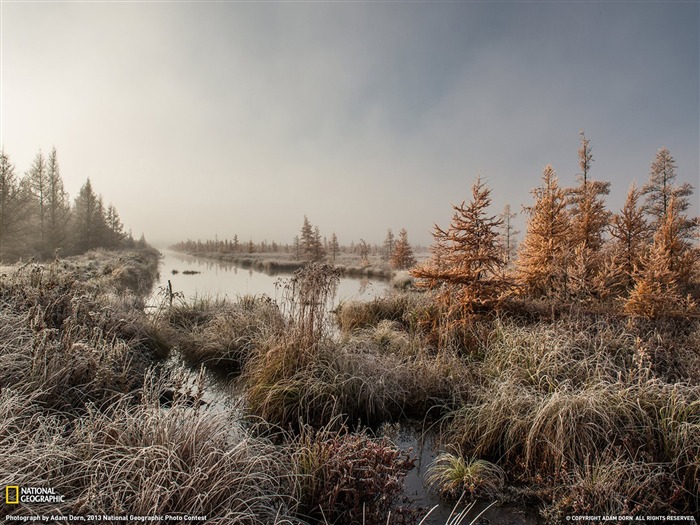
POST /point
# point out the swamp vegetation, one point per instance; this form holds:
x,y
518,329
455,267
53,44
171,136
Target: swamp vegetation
x,y
566,411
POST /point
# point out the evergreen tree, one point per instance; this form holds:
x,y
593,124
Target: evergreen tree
x,y
88,220
402,258
388,248
317,250
333,247
115,228
38,184
57,208
12,211
544,253
306,239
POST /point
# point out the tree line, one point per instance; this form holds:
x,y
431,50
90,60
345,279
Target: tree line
x,y
643,258
310,245
38,220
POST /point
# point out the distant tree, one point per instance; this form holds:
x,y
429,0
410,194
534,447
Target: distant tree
x,y
115,228
251,246
364,252
402,258
89,224
38,184
544,252
317,250
57,208
297,247
13,210
333,247
388,248
467,260
661,188
306,239
507,238
141,243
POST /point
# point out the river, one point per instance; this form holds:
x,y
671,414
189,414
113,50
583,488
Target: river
x,y
215,278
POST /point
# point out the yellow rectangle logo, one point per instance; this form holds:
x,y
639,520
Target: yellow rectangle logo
x,y
11,500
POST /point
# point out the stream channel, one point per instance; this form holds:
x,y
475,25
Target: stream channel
x,y
215,278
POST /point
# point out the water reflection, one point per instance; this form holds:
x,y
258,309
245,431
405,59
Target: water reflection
x,y
222,279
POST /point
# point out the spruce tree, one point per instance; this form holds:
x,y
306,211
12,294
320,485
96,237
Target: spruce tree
x,y
38,184
57,208
13,211
88,220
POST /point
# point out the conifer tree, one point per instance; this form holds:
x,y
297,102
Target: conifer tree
x,y
665,270
57,207
589,217
467,261
12,210
88,220
115,228
317,251
333,247
661,188
402,258
630,234
388,248
306,239
589,220
508,235
543,257
37,181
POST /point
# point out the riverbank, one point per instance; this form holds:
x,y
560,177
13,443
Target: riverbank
x,y
349,265
579,413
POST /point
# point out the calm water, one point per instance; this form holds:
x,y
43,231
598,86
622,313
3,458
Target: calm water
x,y
222,278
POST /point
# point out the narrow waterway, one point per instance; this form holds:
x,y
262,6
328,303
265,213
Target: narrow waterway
x,y
203,277
194,277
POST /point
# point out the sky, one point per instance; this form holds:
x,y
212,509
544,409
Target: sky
x,y
203,119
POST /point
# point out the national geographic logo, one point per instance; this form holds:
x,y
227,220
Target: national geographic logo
x,y
11,494
14,494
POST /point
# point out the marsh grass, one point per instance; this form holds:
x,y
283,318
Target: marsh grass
x,y
556,398
453,475
220,334
142,459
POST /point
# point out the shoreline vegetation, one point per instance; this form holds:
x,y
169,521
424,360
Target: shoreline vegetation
x,y
572,413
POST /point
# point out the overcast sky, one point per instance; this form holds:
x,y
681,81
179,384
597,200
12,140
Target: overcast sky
x,y
218,118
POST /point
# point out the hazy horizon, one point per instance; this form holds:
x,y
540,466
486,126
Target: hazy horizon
x,y
208,119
